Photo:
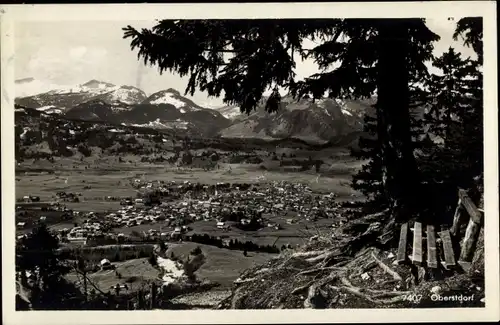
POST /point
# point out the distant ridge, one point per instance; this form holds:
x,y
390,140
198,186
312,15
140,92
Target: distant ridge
x,y
318,121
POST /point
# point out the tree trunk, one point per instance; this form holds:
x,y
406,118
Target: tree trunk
x,y
400,173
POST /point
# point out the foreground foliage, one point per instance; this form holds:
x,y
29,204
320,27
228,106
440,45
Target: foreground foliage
x,y
237,59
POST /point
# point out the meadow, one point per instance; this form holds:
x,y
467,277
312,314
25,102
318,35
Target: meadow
x,y
135,273
95,179
222,265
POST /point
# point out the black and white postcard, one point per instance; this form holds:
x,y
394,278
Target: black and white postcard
x,y
249,163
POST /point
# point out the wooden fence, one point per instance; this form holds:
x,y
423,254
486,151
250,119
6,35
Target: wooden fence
x,y
466,211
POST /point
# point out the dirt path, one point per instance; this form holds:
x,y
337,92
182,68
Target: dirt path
x,y
201,300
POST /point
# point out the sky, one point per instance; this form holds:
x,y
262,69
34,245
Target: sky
x,y
63,53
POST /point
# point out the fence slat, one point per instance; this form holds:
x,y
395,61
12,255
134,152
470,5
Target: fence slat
x,y
470,241
403,241
449,256
458,219
471,208
431,247
417,244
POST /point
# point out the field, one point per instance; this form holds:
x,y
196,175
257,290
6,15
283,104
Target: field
x,y
105,181
222,265
93,180
96,184
133,272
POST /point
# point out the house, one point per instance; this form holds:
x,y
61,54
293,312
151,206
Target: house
x,y
176,233
106,265
220,225
127,202
21,224
117,287
26,199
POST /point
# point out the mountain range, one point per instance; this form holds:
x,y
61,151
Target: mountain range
x,y
320,120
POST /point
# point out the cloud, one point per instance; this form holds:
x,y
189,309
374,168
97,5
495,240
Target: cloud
x,y
51,51
77,52
83,54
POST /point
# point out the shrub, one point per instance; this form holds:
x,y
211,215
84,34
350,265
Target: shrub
x,y
162,246
84,150
152,260
196,251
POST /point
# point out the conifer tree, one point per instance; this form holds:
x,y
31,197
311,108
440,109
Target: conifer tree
x,y
241,59
470,30
451,91
454,157
456,113
369,179
36,255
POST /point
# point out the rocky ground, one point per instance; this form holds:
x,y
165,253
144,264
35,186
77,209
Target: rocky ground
x,y
201,300
352,269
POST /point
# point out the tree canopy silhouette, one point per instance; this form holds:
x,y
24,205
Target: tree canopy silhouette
x,y
37,257
240,60
470,30
456,116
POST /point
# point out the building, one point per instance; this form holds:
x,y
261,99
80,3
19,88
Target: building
x,y
106,265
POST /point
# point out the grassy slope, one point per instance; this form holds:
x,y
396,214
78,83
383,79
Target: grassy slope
x,y
140,269
222,265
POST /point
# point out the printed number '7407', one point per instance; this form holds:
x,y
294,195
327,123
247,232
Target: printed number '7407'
x,y
413,298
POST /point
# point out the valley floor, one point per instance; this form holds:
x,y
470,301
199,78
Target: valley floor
x,y
97,180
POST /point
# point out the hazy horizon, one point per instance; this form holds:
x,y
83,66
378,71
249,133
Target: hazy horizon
x,y
62,53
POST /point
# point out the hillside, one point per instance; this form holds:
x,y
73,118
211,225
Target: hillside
x,y
321,120
124,105
66,97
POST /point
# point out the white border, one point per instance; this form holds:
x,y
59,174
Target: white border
x,y
103,12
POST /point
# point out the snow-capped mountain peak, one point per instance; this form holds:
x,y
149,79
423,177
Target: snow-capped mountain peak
x,y
31,87
93,87
34,93
174,98
230,112
168,98
125,94
96,84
